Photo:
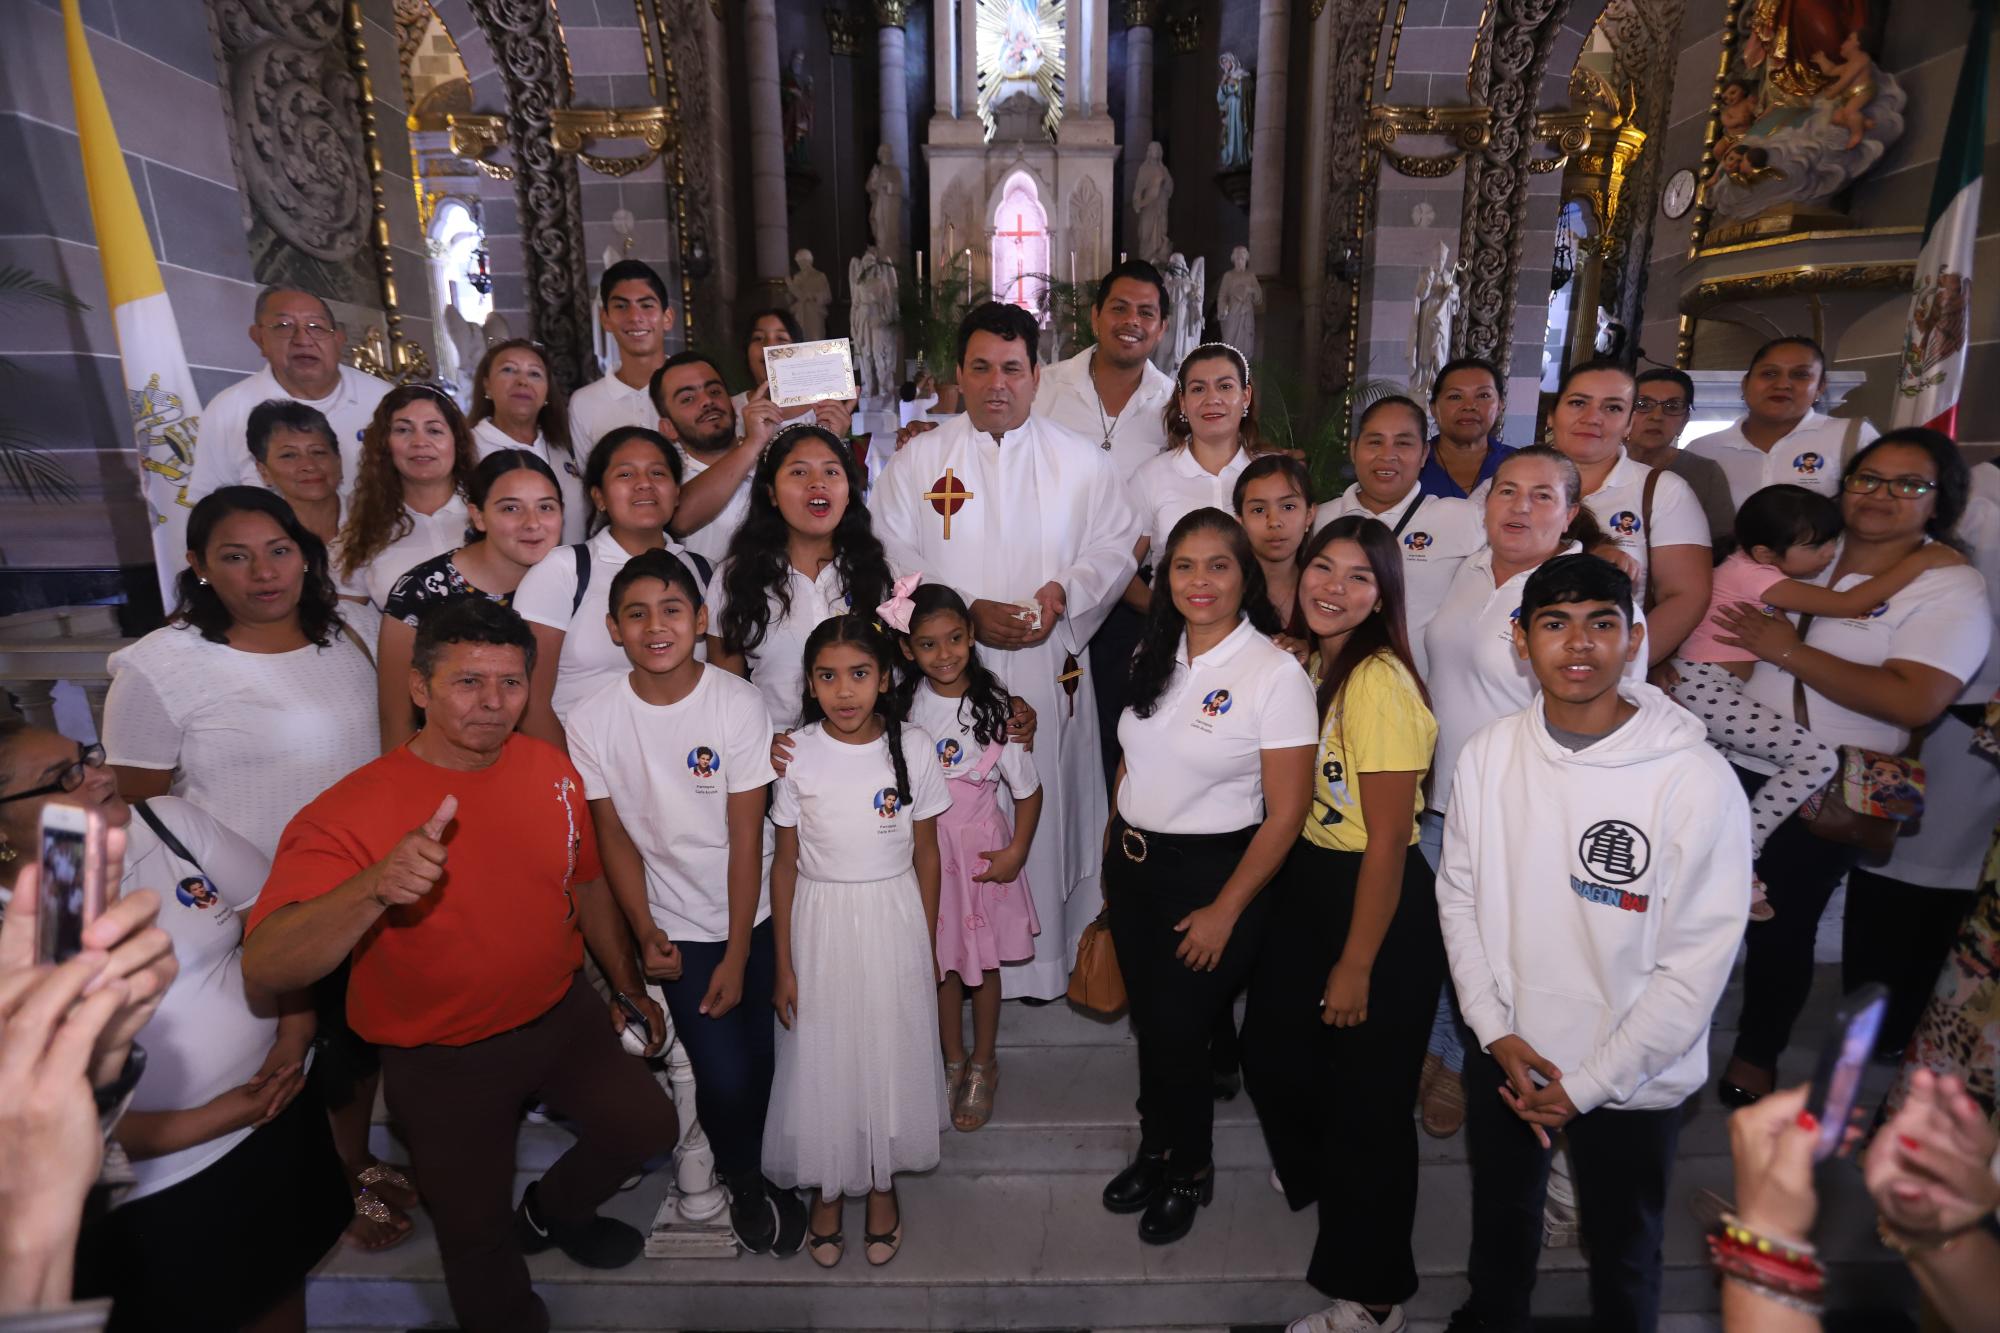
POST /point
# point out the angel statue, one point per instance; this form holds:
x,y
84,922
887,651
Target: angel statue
x,y
1187,287
1437,302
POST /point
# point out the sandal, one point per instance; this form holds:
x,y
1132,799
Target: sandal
x,y
882,1246
387,1182
1444,1104
954,1077
373,1216
974,1104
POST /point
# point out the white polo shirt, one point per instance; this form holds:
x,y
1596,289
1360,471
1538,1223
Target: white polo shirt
x,y
430,536
1196,765
777,665
1475,675
488,438
1438,537
841,798
1170,486
669,771
1809,456
711,540
222,440
590,660
602,406
1069,398
1618,507
1941,620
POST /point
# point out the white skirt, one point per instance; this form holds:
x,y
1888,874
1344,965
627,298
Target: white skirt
x,y
858,1093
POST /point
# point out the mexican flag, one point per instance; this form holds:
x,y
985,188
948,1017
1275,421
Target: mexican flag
x,y
158,388
1932,372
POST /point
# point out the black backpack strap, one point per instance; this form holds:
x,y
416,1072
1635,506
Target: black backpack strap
x,y
166,835
1396,533
582,550
702,569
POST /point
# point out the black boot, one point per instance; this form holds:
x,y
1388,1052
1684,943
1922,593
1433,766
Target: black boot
x,y
1137,1185
1171,1213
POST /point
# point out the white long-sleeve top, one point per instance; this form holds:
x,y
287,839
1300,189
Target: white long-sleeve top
x,y
1592,900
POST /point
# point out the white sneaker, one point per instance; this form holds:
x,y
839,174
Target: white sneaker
x,y
1348,1317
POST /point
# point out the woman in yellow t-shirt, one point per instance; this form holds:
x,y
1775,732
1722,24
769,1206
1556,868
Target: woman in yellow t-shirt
x,y
1346,979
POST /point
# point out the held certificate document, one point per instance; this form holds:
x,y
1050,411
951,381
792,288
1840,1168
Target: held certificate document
x,y
800,374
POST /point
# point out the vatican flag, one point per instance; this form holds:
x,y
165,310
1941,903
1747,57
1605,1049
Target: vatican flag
x,y
158,388
1931,374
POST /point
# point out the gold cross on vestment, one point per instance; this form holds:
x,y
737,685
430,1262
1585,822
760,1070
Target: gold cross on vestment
x,y
947,495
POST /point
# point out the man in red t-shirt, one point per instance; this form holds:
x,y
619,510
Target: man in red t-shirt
x,y
460,871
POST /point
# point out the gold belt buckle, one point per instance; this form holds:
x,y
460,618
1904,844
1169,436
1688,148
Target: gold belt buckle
x,y
1126,841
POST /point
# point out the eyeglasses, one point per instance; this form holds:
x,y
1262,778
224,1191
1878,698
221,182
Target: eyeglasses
x,y
1903,488
289,329
87,756
1673,407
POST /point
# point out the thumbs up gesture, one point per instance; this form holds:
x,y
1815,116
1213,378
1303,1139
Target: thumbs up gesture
x,y
416,863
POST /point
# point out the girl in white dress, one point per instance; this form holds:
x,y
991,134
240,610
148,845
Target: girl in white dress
x,y
854,899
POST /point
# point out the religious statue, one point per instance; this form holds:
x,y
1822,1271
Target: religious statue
x,y
1232,100
1437,302
1804,111
796,88
1239,299
811,295
872,322
885,203
1187,287
1151,189
1021,51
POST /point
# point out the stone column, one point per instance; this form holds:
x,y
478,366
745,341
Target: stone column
x,y
944,45
1100,58
1076,63
892,51
968,57
767,145
1267,141
1140,16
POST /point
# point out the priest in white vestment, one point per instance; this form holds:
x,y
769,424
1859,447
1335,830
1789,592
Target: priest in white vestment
x,y
1033,528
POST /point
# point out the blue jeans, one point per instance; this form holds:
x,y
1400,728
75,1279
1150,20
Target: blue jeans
x,y
1448,1034
733,1055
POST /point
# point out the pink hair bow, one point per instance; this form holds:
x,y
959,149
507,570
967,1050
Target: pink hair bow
x,y
897,610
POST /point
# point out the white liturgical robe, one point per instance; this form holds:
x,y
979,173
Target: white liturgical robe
x,y
1038,505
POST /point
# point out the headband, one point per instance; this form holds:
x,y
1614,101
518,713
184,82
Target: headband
x,y
1242,361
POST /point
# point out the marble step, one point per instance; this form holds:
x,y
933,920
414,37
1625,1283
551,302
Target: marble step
x,y
1036,1250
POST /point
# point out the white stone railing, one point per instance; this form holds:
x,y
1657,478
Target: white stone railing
x,y
40,650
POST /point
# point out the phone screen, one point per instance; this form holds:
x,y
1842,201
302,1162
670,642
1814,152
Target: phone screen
x,y
1842,1060
60,913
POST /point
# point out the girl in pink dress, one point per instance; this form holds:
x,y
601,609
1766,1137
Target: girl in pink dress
x,y
986,916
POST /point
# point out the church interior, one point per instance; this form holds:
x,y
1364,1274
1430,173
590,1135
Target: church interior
x,y
1350,191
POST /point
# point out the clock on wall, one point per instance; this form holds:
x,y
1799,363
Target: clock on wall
x,y
1678,197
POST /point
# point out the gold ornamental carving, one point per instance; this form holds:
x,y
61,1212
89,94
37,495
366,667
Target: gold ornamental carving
x,y
1145,13
1470,128
476,138
1801,280
1185,29
843,31
573,130
891,13
401,359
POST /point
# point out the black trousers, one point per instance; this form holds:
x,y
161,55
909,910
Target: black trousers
x,y
1335,1102
1898,934
1173,1006
1621,1161
1800,871
733,1056
1110,654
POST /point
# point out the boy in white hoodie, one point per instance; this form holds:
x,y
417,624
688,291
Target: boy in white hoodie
x,y
1592,893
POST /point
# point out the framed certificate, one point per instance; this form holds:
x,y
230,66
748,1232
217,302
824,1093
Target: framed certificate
x,y
800,374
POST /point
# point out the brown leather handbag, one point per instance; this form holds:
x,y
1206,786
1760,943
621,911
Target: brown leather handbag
x,y
1831,816
1096,984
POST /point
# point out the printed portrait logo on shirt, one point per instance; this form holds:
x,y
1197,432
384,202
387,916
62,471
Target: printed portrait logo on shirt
x,y
950,753
1614,854
1808,464
1876,614
1417,542
1215,703
887,803
196,892
704,762
1625,523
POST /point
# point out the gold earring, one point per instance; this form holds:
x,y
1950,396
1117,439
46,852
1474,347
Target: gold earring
x,y
8,854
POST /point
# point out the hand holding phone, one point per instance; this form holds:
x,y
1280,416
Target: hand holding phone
x,y
72,885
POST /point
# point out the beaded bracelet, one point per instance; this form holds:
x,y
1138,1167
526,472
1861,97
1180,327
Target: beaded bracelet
x,y
1799,1254
1734,1260
1812,1308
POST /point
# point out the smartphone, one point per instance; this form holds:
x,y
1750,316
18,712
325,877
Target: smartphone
x,y
1842,1059
635,1017
72,880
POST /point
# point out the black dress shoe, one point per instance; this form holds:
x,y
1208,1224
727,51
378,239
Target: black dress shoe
x,y
1135,1188
1171,1214
1227,1084
1734,1096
